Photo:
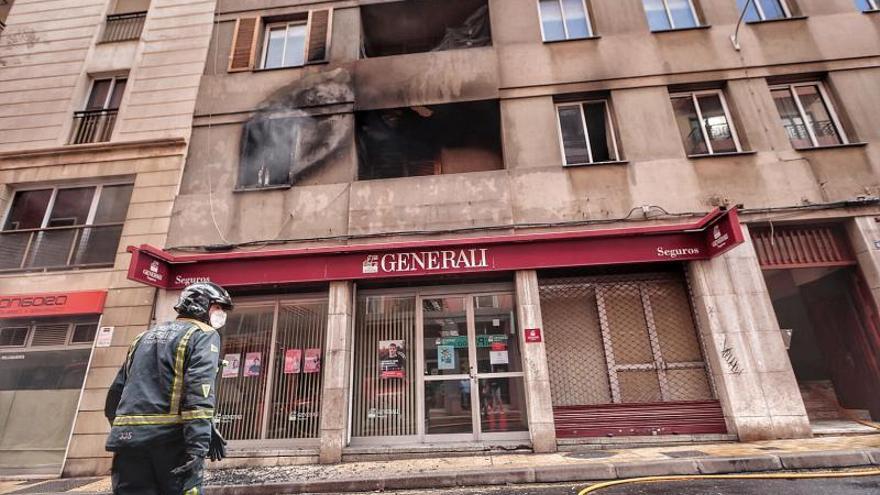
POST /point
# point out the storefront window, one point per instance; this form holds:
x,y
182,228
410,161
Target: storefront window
x,y
272,351
502,405
446,336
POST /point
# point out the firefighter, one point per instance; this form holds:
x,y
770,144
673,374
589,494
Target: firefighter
x,y
161,404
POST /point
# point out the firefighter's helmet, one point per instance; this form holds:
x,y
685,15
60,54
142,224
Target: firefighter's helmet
x,y
196,300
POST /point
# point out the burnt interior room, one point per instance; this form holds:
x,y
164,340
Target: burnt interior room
x,y
416,26
429,140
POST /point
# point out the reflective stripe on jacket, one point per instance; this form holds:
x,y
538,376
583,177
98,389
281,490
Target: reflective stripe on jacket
x,y
165,388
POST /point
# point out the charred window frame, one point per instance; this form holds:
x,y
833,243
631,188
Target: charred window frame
x,y
565,20
252,36
808,115
268,153
586,132
77,226
705,123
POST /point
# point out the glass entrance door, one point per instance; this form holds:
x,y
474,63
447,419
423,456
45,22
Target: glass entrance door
x,y
472,368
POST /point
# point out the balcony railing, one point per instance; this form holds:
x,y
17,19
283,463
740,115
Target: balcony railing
x,y
82,246
123,27
93,126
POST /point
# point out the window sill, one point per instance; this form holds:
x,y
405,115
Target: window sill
x,y
553,42
779,19
678,30
615,162
258,189
271,69
722,155
873,11
833,146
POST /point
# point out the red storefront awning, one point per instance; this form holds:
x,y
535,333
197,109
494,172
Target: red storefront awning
x,y
714,234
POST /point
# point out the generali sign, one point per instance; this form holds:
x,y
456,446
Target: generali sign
x,y
711,236
52,304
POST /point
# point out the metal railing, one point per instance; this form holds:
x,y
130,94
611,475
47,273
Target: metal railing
x,y
93,126
59,247
123,27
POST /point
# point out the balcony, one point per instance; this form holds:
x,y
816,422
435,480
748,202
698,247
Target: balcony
x,y
53,248
123,27
93,126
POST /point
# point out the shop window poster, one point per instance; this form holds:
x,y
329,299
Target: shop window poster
x,y
253,365
232,366
392,359
446,357
292,361
312,361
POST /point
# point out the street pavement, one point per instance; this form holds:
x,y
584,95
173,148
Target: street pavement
x,y
837,486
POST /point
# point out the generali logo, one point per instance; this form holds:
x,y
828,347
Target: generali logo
x,y
428,261
719,240
152,273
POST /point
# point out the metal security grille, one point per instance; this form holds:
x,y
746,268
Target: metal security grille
x,y
622,340
802,246
270,388
384,407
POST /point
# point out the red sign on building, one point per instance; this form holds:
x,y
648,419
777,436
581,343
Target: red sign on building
x,y
533,335
52,304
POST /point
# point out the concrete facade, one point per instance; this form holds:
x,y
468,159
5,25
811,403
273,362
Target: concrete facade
x,y
49,53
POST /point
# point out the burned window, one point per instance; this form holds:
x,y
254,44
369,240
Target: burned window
x,y
268,152
424,25
429,140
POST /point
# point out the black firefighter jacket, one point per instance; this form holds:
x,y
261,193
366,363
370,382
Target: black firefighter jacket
x,y
165,389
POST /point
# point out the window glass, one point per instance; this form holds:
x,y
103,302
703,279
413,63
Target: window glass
x,y
113,204
772,9
275,47
576,19
682,14
752,12
574,141
28,210
84,334
294,54
716,124
792,120
502,405
71,207
100,90
13,336
551,18
866,5
446,336
656,12
689,124
819,116
45,370
601,138
497,340
118,91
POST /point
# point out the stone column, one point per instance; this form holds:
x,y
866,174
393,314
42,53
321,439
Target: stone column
x,y
864,236
542,428
337,370
746,353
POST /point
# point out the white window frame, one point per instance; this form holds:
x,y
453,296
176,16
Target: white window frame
x,y
872,5
286,25
114,80
699,22
760,10
609,128
565,24
694,95
27,337
808,123
90,218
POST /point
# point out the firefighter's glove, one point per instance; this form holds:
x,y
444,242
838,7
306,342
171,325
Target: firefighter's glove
x,y
192,465
217,449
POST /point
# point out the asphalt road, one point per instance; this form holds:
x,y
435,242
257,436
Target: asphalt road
x,y
837,486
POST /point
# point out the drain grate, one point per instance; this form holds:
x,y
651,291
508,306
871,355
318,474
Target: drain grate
x,y
684,454
592,454
55,486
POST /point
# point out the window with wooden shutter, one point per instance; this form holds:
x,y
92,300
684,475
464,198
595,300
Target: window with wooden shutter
x,y
244,44
319,35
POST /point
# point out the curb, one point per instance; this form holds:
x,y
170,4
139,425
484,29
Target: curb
x,y
585,472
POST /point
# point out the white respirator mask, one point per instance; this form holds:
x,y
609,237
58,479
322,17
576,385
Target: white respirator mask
x,y
218,319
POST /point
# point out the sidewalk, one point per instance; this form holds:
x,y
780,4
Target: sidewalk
x,y
499,469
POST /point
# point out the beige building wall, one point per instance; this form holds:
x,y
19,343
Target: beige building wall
x,y
49,52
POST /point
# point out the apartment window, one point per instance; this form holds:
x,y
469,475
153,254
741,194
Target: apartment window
x,y
64,227
664,15
95,123
705,124
268,152
764,10
292,42
587,132
564,20
868,5
807,115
